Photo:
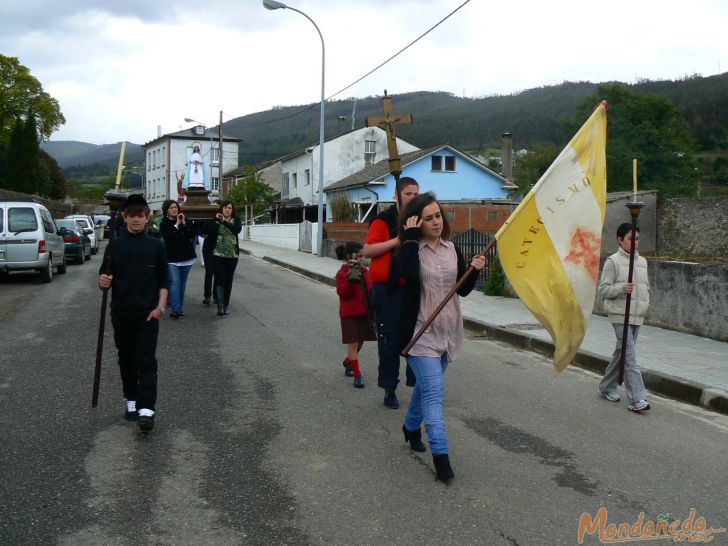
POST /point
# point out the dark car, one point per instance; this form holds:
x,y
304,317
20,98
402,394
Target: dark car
x,y
78,244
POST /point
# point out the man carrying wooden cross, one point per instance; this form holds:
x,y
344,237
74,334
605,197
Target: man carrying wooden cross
x,y
380,243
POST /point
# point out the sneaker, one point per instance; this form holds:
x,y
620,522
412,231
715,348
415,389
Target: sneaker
x,y
174,315
348,370
146,421
641,405
206,301
359,382
130,412
611,396
390,400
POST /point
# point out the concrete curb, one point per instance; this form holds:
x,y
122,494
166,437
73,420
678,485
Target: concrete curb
x,y
663,384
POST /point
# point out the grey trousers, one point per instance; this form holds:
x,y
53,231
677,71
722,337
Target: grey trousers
x,y
633,383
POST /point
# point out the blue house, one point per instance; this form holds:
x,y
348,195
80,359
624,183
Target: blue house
x,y
451,174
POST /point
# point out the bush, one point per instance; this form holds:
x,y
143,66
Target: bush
x,y
496,285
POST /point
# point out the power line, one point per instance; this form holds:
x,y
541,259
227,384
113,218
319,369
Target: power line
x,y
316,105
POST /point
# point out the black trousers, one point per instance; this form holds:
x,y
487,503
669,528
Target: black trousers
x,y
386,303
207,257
136,343
224,271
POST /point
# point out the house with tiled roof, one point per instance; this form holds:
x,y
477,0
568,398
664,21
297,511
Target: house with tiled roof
x,y
450,173
344,156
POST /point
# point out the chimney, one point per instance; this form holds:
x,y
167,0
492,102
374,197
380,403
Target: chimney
x,y
507,156
159,131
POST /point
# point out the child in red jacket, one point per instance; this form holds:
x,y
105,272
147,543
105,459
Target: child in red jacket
x,y
352,286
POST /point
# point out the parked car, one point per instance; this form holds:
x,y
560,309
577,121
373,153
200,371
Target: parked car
x,y
102,222
30,239
78,243
88,225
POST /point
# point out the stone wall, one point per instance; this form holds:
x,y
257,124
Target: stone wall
x,y
57,209
688,297
693,229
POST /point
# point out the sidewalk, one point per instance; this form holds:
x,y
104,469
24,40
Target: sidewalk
x,y
681,366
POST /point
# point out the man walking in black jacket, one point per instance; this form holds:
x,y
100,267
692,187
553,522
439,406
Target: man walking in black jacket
x,y
139,290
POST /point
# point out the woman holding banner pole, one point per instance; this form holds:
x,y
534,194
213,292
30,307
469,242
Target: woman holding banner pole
x,y
431,265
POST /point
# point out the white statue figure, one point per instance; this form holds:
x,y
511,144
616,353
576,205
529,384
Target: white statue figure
x,y
196,175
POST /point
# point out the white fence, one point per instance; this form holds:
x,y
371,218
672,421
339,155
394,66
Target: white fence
x,y
284,236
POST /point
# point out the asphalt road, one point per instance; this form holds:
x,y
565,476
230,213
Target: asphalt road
x,y
261,439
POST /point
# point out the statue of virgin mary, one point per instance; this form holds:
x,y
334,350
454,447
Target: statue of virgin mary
x,y
196,176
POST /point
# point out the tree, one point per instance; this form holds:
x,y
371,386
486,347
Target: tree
x,y
2,164
58,187
530,167
252,191
652,130
20,92
24,171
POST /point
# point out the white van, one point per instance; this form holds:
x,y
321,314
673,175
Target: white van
x,y
30,239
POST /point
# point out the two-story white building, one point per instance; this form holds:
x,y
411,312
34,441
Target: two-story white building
x,y
167,157
343,156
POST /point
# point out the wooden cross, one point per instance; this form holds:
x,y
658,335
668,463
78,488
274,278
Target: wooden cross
x,y
388,122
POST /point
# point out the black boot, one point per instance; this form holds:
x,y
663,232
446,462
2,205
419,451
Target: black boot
x,y
443,468
414,438
220,298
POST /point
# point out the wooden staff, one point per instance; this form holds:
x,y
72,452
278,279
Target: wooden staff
x,y
443,303
106,270
634,207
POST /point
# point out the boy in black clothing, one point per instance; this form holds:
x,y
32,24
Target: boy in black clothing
x,y
139,289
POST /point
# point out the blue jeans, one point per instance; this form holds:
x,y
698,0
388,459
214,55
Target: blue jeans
x,y
177,284
427,399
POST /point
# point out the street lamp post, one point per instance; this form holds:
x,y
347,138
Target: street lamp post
x,y
271,5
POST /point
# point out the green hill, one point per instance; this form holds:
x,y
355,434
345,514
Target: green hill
x,y
533,117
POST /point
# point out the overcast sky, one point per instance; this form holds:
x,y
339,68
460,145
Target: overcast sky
x,y
121,68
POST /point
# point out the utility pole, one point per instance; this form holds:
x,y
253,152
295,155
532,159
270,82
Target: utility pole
x,y
219,161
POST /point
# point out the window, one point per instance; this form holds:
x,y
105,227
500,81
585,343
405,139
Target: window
x,y
215,183
284,192
149,161
48,224
437,163
450,215
307,175
492,216
370,152
22,219
294,181
214,155
161,159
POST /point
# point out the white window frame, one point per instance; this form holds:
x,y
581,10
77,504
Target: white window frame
x,y
370,152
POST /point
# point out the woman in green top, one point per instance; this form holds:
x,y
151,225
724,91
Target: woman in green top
x,y
223,236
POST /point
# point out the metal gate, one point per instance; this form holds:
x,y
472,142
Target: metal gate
x,y
473,242
305,237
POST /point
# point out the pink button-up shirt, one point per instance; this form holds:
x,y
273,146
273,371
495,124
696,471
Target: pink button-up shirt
x,y
438,274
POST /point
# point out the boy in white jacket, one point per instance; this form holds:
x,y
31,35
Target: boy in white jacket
x,y
613,288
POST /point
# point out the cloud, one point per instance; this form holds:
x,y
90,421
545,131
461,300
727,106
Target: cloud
x,y
121,68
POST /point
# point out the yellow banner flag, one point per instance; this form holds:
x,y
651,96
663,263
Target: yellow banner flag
x,y
549,247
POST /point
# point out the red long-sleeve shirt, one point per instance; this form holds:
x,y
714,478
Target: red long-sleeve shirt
x,y
351,296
